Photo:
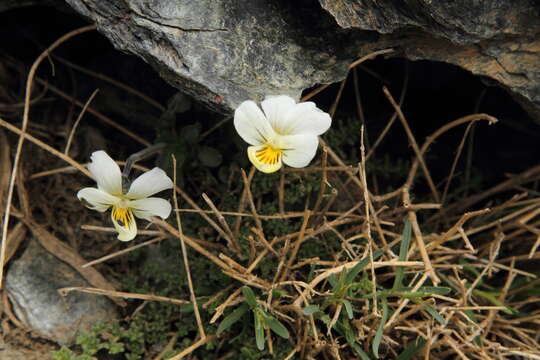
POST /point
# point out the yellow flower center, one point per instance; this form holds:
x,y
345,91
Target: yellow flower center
x,y
268,155
123,216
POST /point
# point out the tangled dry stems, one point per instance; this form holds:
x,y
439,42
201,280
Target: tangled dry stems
x,y
480,237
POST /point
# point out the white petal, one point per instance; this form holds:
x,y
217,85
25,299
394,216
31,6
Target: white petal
x,y
306,118
265,168
251,124
276,108
128,231
149,183
145,208
97,199
299,150
106,172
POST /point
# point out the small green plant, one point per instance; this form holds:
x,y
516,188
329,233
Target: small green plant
x,y
345,287
107,338
262,319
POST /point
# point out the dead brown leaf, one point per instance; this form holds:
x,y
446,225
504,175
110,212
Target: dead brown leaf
x,y
14,240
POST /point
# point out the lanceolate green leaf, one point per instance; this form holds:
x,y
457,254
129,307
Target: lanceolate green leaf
x,y
405,241
470,314
403,251
324,318
491,297
355,270
348,308
233,317
259,331
345,327
310,310
379,334
277,327
411,350
358,350
249,296
334,282
431,310
437,290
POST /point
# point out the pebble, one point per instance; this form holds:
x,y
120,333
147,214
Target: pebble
x,y
32,283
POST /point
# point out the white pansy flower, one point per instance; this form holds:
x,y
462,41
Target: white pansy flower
x,y
125,206
283,131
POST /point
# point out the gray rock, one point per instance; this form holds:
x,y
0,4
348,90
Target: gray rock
x,y
461,21
225,51
495,39
32,282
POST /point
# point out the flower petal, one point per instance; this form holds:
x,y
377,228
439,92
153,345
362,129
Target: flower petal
x,y
96,199
299,150
106,172
145,208
306,118
127,230
276,108
251,124
149,183
263,166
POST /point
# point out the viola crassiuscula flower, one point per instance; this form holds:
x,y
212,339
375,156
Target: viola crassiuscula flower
x,y
125,206
283,131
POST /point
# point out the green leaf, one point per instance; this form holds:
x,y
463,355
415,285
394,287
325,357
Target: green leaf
x,y
379,334
278,294
491,297
348,308
233,317
333,281
351,275
471,315
259,332
116,348
190,133
277,327
358,350
325,318
405,242
426,291
437,290
249,296
411,350
345,327
209,156
188,308
63,354
403,251
340,287
224,173
435,314
310,310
